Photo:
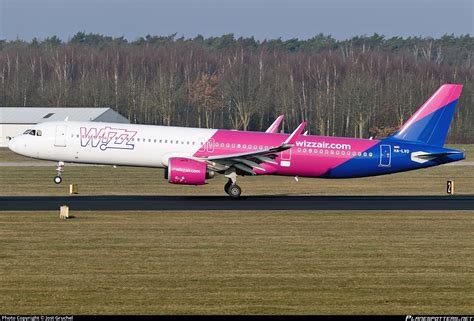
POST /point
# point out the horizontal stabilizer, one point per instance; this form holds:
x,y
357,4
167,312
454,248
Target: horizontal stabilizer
x,y
436,155
423,157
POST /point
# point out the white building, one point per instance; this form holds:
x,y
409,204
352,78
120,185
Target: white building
x,y
15,120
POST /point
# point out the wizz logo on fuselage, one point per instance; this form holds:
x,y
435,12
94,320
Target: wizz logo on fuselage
x,y
108,137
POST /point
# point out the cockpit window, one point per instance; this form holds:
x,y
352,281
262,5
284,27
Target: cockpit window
x,y
26,132
32,132
39,133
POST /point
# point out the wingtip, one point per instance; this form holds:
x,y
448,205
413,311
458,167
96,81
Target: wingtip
x,y
274,127
292,138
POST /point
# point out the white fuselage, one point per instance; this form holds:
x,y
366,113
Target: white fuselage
x,y
110,143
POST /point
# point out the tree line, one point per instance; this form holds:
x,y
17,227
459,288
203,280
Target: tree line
x,y
360,87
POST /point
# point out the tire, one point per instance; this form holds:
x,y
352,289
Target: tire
x,y
57,179
234,191
226,186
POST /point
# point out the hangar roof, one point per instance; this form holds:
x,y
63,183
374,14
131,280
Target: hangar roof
x,y
34,115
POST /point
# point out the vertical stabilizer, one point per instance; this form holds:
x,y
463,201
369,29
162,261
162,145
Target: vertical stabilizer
x,y
430,123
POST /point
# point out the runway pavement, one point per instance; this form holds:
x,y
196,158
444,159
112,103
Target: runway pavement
x,y
249,203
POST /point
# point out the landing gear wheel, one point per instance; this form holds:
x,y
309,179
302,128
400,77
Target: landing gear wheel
x,y
234,191
57,179
227,185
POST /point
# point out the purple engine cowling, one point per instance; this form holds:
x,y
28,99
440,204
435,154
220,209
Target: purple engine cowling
x,y
186,171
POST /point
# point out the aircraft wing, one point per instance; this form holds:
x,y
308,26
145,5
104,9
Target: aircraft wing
x,y
248,160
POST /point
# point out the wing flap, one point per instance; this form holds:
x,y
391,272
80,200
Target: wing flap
x,y
244,168
249,163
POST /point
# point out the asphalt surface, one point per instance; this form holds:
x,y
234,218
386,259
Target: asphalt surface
x,y
248,203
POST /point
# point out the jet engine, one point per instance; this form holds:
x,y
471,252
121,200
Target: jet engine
x,y
187,171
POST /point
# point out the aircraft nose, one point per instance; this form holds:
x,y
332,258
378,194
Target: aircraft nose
x,y
11,144
14,145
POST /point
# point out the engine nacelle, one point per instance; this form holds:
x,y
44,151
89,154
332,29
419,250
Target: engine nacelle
x,y
186,171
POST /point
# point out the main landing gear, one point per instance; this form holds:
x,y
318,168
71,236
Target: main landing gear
x,y
60,169
231,186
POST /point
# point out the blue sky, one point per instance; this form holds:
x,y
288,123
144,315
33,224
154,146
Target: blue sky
x,y
263,19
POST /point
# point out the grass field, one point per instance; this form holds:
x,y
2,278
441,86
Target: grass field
x,y
101,180
237,263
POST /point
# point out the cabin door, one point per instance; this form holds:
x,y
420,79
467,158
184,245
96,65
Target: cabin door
x,y
385,155
60,138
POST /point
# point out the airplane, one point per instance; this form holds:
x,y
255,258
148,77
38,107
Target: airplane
x,y
190,156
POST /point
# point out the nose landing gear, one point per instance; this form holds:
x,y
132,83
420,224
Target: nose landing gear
x,y
60,169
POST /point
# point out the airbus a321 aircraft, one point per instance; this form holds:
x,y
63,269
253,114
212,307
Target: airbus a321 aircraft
x,y
192,155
